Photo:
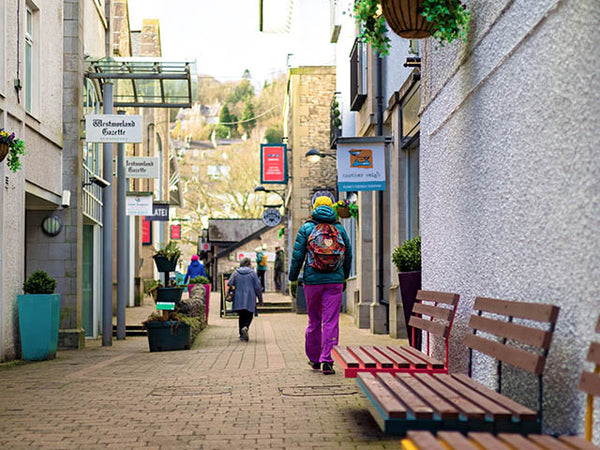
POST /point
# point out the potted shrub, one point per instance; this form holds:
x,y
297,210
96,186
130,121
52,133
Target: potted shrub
x,y
407,259
12,147
168,332
204,281
39,313
166,257
345,209
445,20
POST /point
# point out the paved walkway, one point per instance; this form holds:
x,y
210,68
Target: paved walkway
x,y
221,394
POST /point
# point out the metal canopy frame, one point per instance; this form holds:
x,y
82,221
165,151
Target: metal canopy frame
x,y
145,82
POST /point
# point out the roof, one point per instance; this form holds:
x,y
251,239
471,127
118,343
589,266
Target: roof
x,y
232,230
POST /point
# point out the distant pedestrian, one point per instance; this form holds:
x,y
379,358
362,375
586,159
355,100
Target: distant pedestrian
x,y
279,263
261,266
247,289
325,245
195,269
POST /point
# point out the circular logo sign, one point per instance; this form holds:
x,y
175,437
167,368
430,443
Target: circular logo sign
x,y
271,217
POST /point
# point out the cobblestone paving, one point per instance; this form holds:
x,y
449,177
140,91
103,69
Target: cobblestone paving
x,y
222,394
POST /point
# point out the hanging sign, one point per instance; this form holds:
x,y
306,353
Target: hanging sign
x,y
165,306
146,231
141,166
271,217
273,163
138,204
160,212
175,232
113,128
361,164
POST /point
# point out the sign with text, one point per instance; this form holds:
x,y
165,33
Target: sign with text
x,y
252,255
273,163
175,232
146,231
113,128
160,212
361,164
141,167
138,204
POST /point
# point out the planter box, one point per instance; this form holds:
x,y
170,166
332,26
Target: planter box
x,y
410,283
39,316
163,264
169,294
167,336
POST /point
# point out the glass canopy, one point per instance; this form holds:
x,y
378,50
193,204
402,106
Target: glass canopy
x,y
145,82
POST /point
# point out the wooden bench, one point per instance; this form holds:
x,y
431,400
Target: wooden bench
x,y
438,401
448,440
435,319
453,440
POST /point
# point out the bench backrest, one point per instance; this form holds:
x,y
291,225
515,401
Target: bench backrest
x,y
441,315
522,346
590,383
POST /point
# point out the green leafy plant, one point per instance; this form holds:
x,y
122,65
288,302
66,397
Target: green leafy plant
x,y
39,282
200,280
352,207
16,148
407,257
171,251
371,23
151,287
450,19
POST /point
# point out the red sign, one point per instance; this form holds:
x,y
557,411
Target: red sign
x,y
175,232
146,231
204,247
273,163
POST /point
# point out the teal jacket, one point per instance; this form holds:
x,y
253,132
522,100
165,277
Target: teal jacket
x,y
313,276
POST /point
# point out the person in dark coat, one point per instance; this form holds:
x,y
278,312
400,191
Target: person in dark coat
x,y
195,269
279,262
247,289
322,289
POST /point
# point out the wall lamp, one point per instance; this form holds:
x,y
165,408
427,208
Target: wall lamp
x,y
268,191
314,155
98,181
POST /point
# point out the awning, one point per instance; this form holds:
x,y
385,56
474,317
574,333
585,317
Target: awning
x,y
145,82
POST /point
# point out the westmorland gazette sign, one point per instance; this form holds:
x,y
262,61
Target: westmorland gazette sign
x,y
113,128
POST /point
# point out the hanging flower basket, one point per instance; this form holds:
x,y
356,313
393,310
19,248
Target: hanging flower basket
x,y
3,151
345,209
405,18
12,147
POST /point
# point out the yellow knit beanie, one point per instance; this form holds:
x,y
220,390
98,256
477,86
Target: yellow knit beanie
x,y
323,201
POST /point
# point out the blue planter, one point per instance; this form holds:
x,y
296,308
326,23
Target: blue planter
x,y
39,316
170,335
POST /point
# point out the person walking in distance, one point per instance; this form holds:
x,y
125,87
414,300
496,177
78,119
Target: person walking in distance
x,y
247,289
279,262
261,266
325,245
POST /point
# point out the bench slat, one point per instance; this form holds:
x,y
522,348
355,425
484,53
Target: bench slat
x,y
387,400
578,442
534,311
455,440
440,405
448,298
399,361
487,441
548,442
492,408
417,362
517,441
346,357
526,335
381,359
436,328
517,409
594,353
590,383
466,406
434,363
433,311
424,440
413,402
362,356
519,358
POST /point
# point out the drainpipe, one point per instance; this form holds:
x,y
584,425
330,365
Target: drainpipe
x,y
380,216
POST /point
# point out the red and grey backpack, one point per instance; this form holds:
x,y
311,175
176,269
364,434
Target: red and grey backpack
x,y
326,248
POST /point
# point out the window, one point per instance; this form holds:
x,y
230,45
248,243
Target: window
x,y
31,76
410,146
358,75
2,49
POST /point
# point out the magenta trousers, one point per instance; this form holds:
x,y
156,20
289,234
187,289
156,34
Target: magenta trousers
x,y
323,302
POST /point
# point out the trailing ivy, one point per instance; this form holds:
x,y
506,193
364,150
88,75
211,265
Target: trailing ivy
x,y
450,19
372,26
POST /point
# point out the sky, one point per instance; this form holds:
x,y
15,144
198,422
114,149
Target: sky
x,y
223,37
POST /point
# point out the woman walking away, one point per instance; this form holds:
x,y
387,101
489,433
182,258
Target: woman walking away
x,y
195,269
247,288
324,243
